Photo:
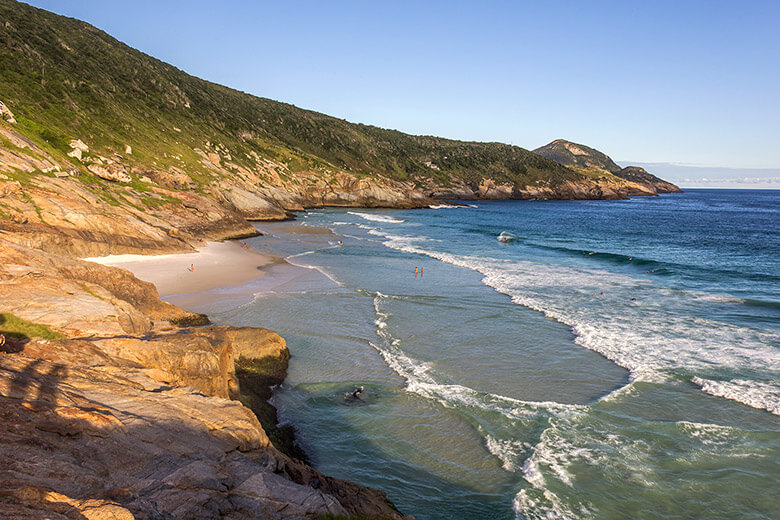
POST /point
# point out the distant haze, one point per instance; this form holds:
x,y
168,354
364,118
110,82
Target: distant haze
x,y
693,82
692,176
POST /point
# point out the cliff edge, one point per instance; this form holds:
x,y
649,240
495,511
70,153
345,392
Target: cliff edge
x,y
112,411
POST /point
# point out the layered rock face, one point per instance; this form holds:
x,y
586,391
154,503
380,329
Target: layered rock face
x,y
131,416
50,205
642,176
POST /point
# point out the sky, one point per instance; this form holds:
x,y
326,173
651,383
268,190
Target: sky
x,y
693,86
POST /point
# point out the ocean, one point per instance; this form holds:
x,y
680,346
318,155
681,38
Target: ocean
x,y
610,360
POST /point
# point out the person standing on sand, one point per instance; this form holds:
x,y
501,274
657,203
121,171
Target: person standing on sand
x,y
191,268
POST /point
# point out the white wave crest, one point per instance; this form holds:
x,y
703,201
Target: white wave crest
x,y
638,334
376,218
419,380
763,396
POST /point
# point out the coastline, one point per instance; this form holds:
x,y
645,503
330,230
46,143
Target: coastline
x,y
132,382
228,274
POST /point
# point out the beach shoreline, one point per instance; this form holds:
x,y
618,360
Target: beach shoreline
x,y
215,265
224,275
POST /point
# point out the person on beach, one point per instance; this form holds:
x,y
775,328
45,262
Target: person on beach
x,y
191,268
415,273
421,272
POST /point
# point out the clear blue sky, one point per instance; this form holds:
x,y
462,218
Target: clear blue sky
x,y
694,82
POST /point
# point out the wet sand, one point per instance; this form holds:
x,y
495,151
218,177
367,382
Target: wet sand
x,y
215,265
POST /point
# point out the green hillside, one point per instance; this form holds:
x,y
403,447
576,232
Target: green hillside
x,y
65,79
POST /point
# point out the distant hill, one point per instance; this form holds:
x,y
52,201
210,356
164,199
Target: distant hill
x,y
584,157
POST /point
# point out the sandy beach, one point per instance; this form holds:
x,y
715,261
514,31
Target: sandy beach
x,y
215,265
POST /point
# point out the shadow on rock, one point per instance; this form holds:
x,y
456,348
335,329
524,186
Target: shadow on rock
x,y
89,436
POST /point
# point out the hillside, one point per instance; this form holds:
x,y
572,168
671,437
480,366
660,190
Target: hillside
x,y
104,149
585,158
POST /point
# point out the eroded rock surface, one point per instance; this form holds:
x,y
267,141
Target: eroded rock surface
x,y
131,416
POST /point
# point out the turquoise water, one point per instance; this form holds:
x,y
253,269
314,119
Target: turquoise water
x,y
617,359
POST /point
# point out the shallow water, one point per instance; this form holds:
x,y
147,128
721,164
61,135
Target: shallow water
x,y
618,359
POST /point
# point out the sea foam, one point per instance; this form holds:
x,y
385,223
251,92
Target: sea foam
x,y
376,218
631,324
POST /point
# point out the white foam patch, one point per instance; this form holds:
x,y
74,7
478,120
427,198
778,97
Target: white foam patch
x,y
508,451
581,446
421,381
443,206
289,260
376,218
546,507
763,396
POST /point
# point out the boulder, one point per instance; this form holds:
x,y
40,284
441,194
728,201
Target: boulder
x,y
251,205
110,172
6,114
78,144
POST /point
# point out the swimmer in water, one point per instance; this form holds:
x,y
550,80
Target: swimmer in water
x,y
341,243
354,394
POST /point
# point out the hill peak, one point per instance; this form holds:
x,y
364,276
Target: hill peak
x,y
575,155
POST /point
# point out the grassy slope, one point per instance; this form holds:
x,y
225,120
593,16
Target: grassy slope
x,y
66,79
15,327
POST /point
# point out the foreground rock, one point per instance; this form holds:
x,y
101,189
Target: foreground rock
x,y
131,416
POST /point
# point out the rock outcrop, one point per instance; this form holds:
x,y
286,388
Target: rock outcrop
x,y
641,176
131,416
6,114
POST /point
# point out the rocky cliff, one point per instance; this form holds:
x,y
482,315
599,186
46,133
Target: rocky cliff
x,y
126,415
594,163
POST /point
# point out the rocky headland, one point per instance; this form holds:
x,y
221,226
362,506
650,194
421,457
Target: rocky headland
x,y
594,163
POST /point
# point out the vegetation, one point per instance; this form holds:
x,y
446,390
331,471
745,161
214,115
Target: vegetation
x,y
14,327
597,165
561,151
65,79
